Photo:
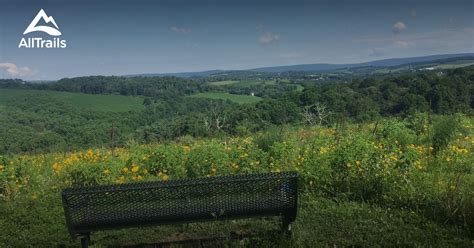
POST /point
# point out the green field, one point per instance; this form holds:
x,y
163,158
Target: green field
x,y
455,65
114,103
251,82
225,82
299,87
226,96
452,65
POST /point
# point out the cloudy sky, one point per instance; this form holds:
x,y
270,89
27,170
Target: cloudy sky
x,y
129,37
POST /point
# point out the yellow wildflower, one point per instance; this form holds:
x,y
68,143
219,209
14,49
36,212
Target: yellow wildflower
x,y
120,180
57,167
186,148
135,168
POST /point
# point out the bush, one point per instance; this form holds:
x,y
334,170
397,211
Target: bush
x,y
444,128
207,160
266,139
84,174
396,132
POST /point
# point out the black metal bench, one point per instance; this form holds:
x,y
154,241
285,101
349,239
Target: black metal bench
x,y
96,208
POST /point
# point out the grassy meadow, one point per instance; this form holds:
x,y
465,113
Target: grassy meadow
x,y
400,183
113,103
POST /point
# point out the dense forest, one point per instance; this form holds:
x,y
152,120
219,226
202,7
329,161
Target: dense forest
x,y
39,122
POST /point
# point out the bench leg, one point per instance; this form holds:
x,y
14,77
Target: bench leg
x,y
286,226
85,241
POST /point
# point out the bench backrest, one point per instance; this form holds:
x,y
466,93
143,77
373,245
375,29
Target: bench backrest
x,y
185,200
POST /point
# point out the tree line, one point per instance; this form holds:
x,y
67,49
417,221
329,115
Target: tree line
x,y
39,122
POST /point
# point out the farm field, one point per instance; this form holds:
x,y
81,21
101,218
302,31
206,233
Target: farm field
x,y
225,82
445,66
227,96
458,64
407,183
113,103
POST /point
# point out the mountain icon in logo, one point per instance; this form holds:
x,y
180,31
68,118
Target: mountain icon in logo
x,y
47,19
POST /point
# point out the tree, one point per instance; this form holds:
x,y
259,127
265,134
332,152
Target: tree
x,y
316,113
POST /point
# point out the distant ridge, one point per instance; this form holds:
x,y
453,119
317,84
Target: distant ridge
x,y
178,74
321,67
375,63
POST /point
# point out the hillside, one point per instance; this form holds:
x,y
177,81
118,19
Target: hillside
x,y
77,113
382,157
326,67
397,182
113,103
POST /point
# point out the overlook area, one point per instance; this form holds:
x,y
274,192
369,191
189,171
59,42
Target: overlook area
x,y
382,158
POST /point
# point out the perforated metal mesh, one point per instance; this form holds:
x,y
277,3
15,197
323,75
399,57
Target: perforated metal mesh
x,y
174,201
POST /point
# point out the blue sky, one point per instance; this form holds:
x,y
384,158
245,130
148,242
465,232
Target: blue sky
x,y
129,37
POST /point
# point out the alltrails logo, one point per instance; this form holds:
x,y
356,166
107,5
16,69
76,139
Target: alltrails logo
x,y
38,42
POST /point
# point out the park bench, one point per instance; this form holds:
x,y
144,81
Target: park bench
x,y
94,208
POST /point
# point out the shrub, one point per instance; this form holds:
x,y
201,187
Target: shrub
x,y
444,128
84,174
265,140
207,160
166,161
396,132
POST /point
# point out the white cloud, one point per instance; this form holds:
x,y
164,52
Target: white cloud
x,y
179,30
268,37
259,27
13,70
399,27
377,52
447,40
413,12
450,34
293,55
402,44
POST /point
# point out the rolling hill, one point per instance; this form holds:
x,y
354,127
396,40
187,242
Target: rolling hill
x,y
325,67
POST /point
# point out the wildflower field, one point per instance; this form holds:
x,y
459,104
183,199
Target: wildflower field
x,y
392,183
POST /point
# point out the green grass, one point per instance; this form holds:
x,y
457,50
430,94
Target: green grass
x,y
455,65
247,83
114,103
452,65
321,222
225,82
299,88
226,96
355,224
